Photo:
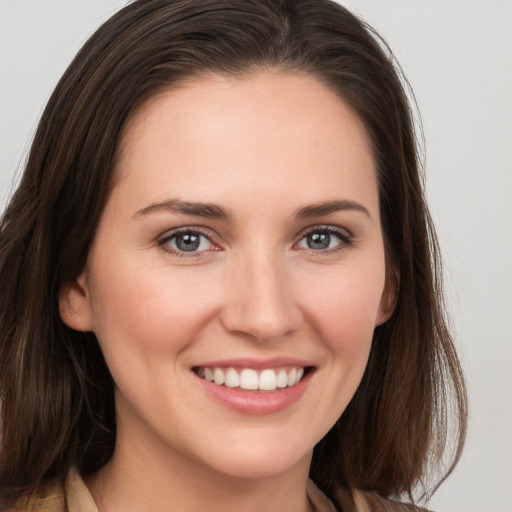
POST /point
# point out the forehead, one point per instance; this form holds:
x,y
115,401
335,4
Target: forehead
x,y
277,126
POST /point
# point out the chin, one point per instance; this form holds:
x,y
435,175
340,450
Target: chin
x,y
259,460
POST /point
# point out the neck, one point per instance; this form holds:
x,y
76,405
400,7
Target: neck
x,y
157,480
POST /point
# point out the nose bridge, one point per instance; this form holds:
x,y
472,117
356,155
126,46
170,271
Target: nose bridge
x,y
261,302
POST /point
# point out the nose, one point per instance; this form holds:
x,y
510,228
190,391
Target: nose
x,y
260,300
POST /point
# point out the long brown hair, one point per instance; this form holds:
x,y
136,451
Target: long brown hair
x,y
56,393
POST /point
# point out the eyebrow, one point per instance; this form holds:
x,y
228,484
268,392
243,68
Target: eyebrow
x,y
326,208
213,211
208,210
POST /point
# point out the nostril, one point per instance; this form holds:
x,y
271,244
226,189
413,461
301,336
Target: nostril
x,y
260,302
261,326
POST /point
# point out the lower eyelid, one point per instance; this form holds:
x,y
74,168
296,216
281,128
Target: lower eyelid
x,y
346,239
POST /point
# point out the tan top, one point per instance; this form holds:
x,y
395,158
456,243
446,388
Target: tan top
x,y
75,497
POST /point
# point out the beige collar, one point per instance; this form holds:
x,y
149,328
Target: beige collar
x,y
79,499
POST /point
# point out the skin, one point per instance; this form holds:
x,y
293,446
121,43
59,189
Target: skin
x,y
261,148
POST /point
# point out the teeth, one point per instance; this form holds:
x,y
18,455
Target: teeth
x,y
282,379
232,379
267,380
218,377
248,379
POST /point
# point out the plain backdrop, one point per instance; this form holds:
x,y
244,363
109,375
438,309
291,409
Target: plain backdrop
x,y
457,55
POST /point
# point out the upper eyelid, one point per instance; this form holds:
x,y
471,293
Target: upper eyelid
x,y
163,243
169,234
347,239
325,227
184,229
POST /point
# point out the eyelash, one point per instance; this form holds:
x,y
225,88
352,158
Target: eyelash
x,y
345,237
346,240
168,237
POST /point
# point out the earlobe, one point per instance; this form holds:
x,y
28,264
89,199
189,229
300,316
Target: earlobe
x,y
74,306
389,296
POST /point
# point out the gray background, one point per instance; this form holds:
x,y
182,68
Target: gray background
x,y
457,55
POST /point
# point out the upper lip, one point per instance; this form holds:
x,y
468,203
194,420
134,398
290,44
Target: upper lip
x,y
256,363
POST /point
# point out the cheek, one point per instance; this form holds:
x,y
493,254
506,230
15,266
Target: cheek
x,y
341,310
344,306
148,308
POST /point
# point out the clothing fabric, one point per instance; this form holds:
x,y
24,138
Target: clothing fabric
x,y
74,496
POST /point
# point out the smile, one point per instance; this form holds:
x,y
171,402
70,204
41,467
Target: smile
x,y
250,379
252,386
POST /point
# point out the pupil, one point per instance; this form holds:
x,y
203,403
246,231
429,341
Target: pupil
x,y
187,242
319,241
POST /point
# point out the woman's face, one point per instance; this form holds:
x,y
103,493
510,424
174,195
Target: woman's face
x,y
241,243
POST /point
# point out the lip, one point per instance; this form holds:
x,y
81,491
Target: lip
x,y
256,364
256,402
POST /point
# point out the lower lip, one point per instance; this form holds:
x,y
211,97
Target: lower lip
x,y
253,402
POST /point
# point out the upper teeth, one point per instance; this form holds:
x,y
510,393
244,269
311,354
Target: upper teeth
x,y
248,378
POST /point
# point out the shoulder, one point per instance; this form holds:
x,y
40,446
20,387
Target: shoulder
x,y
365,501
56,495
50,497
352,500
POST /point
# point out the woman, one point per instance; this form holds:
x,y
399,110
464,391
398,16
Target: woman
x,y
219,276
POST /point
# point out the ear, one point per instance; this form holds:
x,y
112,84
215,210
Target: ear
x,y
74,304
389,296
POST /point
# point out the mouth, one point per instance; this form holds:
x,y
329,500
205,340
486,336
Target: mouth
x,y
257,387
251,379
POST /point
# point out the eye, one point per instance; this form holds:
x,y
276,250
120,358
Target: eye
x,y
186,241
325,239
